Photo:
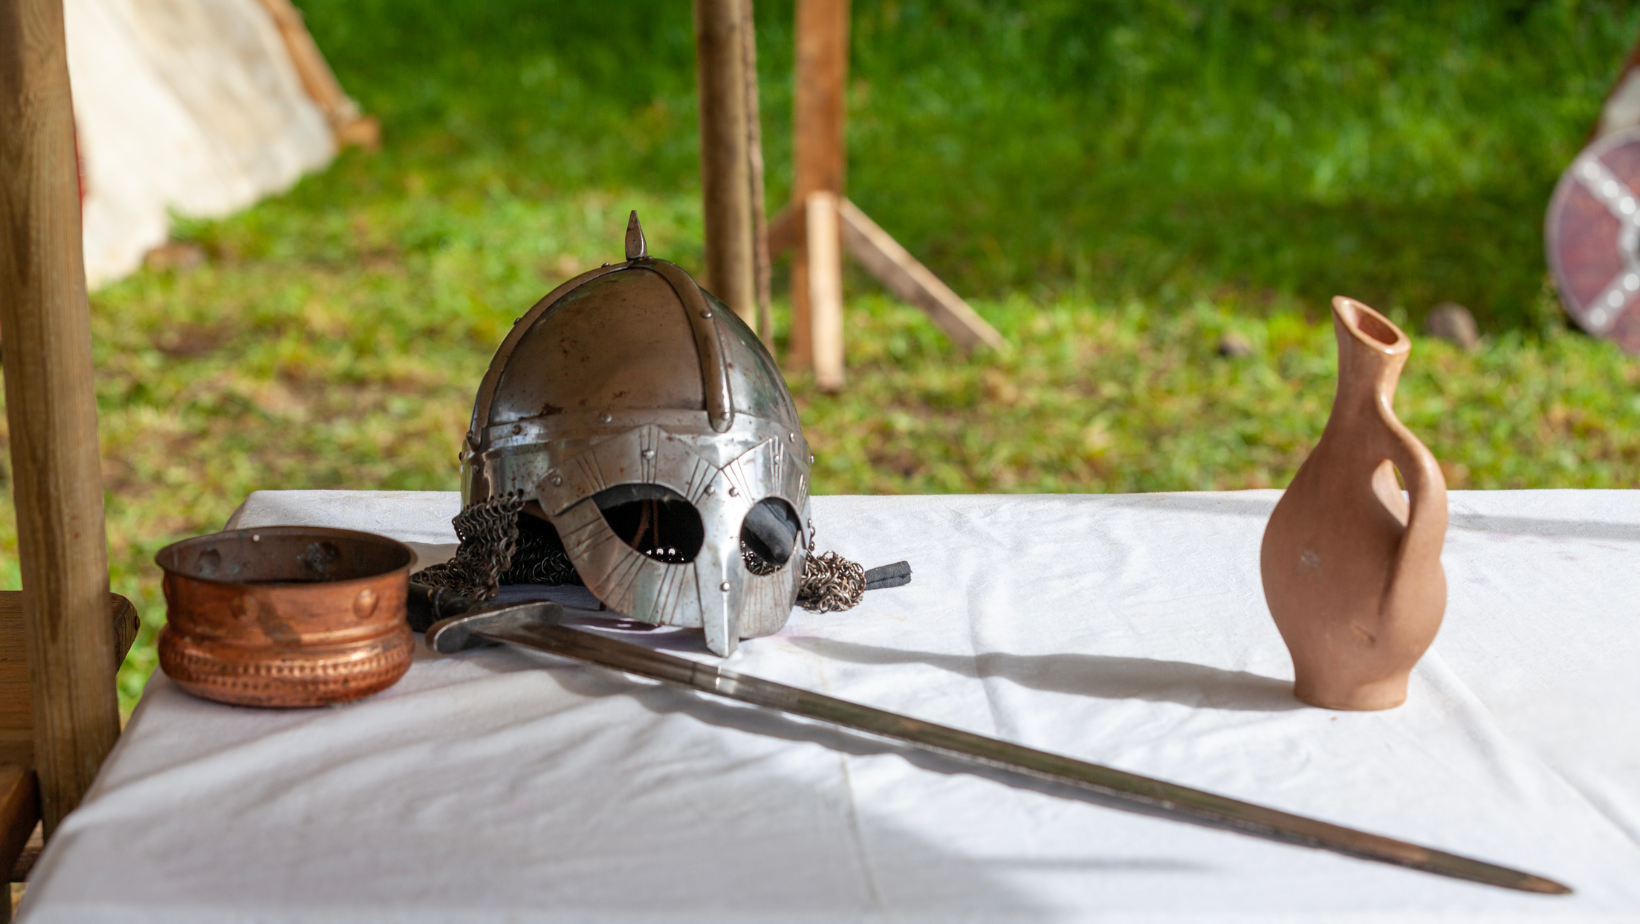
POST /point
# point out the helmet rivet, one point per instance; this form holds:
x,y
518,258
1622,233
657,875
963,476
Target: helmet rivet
x,y
518,428
606,417
706,314
724,587
648,453
709,489
811,459
556,479
792,437
734,492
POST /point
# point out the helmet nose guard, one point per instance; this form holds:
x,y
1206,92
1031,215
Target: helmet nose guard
x,y
632,375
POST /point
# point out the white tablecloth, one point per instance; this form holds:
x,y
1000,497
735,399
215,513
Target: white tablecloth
x,y
1128,630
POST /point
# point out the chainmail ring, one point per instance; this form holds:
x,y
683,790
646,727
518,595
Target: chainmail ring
x,y
831,584
488,532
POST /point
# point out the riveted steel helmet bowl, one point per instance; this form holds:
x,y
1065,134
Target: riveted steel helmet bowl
x,y
653,430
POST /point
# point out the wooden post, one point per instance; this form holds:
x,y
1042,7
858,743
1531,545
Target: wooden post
x,y
726,185
818,111
824,254
754,166
52,410
822,75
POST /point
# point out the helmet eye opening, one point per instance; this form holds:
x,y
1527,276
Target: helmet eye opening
x,y
768,535
654,520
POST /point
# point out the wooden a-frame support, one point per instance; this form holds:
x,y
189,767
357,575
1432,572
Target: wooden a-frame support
x,y
820,225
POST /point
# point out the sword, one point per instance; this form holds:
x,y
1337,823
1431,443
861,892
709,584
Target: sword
x,y
536,626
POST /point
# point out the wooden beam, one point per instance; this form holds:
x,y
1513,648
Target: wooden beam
x,y
51,408
726,185
818,103
16,702
754,166
32,848
911,282
19,784
825,262
19,821
902,274
818,117
348,125
19,815
782,231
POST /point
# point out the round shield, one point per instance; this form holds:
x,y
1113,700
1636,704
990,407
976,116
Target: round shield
x,y
1592,235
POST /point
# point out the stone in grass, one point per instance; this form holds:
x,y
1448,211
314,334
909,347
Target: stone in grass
x,y
177,256
1234,346
1452,322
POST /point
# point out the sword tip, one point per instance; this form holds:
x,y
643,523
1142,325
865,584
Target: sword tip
x,y
1543,886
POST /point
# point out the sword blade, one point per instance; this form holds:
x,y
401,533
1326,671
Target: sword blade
x,y
1159,796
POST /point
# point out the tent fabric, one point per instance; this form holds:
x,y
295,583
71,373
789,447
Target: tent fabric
x,y
190,107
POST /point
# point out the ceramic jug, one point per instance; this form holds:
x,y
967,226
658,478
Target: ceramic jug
x,y
1351,565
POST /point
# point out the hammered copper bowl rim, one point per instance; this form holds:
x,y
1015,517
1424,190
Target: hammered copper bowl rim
x,y
170,558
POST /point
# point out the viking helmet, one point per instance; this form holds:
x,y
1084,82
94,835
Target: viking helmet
x,y
651,428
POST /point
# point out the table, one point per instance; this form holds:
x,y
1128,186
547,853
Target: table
x,y
1125,629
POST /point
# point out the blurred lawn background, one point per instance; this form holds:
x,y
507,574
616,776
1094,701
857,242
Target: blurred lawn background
x,y
1115,185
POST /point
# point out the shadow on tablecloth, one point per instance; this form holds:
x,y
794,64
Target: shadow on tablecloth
x,y
1097,676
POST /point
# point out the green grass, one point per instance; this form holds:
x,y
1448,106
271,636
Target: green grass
x,y
1116,185
1402,152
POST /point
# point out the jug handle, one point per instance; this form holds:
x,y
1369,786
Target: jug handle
x,y
1426,495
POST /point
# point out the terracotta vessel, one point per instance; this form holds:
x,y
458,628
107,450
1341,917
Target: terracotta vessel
x,y
286,615
1352,570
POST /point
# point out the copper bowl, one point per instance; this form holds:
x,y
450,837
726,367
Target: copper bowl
x,y
286,615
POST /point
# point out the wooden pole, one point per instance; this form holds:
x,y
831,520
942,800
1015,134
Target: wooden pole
x,y
52,410
754,165
726,185
818,110
824,255
822,72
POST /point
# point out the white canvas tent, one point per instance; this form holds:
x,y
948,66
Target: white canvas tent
x,y
197,107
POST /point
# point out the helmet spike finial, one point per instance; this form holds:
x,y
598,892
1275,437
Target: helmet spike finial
x,y
636,247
